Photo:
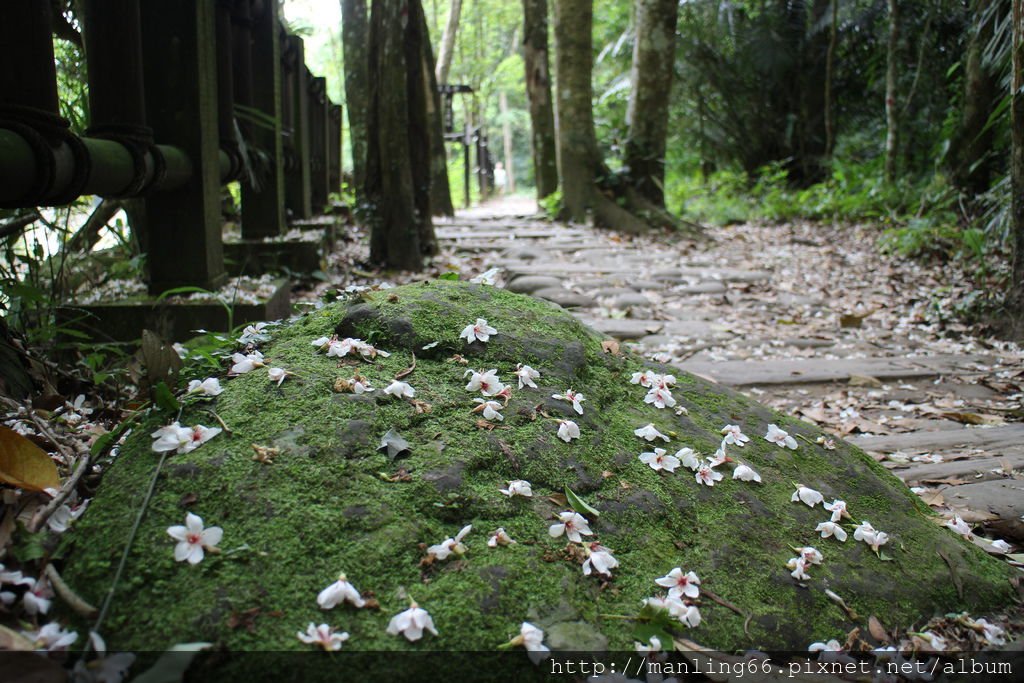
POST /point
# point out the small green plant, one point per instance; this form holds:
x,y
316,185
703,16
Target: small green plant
x,y
553,204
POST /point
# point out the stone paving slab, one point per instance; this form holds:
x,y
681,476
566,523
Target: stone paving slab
x,y
749,373
634,328
988,438
973,468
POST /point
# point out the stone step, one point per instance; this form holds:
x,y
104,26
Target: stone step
x,y
991,439
635,328
684,274
812,371
974,468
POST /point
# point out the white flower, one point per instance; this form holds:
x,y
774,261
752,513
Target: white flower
x,y
687,614
573,525
244,363
831,529
688,457
499,537
658,460
680,584
799,566
572,397
653,645
1001,546
827,443
321,343
39,596
830,646
568,430
780,438
599,560
746,473
478,330
489,409
810,555
707,475
734,435
450,546
339,348
487,383
992,633
174,437
193,539
253,333
324,636
62,517
400,390
526,375
180,350
488,277
645,378
807,496
661,397
411,623
649,433
867,533
838,509
518,487
339,592
719,457
937,643
361,385
51,637
277,375
208,387
960,526
532,638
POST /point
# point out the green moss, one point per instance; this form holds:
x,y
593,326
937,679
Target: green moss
x,y
323,506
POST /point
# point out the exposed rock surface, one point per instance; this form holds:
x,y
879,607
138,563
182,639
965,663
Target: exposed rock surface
x,y
332,502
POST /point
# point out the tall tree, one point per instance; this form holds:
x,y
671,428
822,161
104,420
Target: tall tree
x,y
354,36
891,75
447,46
398,147
440,192
538,91
653,60
970,159
1016,295
585,178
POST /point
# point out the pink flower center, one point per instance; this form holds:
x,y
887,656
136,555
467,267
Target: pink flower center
x,y
193,539
683,582
485,385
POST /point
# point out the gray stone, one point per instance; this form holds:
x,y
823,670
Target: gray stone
x,y
565,298
528,284
706,287
631,299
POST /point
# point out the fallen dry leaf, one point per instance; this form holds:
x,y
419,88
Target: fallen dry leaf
x,y
25,465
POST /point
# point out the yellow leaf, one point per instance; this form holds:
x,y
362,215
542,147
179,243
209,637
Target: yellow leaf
x,y
25,465
12,640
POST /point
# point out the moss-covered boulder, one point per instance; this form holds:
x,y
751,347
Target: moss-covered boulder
x,y
332,501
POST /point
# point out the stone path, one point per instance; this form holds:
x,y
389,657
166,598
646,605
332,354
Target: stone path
x,y
806,318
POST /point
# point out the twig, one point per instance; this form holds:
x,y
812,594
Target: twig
x,y
43,514
408,371
127,549
218,418
69,596
728,605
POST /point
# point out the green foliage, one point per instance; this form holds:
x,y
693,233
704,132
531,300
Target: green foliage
x,y
552,204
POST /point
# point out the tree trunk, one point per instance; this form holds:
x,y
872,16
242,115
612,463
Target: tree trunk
x,y
654,55
395,141
970,159
1015,298
811,145
447,46
440,192
581,167
830,61
420,102
354,36
506,138
538,91
891,113
577,144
